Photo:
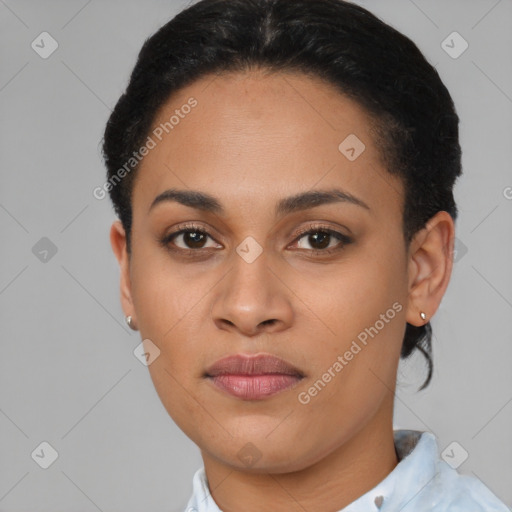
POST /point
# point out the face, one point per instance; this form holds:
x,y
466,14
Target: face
x,y
297,253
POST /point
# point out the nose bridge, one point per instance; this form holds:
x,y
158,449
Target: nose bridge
x,y
250,297
249,280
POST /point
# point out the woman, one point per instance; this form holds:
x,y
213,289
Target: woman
x,y
283,175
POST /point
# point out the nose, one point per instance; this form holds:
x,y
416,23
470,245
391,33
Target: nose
x,y
252,299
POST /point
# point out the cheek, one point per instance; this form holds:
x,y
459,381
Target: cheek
x,y
162,294
363,304
171,313
353,295
177,392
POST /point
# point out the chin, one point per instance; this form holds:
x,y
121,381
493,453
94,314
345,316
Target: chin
x,y
252,460
263,453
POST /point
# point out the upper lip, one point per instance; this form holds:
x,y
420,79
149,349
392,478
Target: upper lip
x,y
261,364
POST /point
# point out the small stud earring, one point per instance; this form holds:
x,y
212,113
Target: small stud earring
x,y
129,321
423,316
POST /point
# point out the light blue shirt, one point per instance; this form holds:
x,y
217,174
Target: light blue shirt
x,y
421,481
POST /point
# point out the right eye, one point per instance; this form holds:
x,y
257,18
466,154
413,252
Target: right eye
x,y
192,238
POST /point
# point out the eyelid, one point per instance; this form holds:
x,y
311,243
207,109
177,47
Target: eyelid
x,y
320,227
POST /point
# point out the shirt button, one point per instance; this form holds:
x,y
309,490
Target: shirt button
x,y
378,501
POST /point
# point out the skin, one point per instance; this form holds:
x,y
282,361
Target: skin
x,y
253,139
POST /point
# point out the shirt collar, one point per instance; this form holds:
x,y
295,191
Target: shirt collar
x,y
417,455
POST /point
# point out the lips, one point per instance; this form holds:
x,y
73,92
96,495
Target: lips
x,y
252,365
253,377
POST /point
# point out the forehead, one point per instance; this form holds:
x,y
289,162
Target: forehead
x,y
253,138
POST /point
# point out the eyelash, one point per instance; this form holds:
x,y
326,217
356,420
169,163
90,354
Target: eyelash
x,y
311,229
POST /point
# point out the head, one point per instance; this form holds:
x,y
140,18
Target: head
x,y
310,152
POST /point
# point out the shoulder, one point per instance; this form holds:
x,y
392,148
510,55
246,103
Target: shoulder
x,y
444,489
454,492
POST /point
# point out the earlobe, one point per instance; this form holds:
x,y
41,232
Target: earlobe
x,y
430,267
118,243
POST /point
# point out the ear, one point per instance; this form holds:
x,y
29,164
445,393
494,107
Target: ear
x,y
118,243
430,267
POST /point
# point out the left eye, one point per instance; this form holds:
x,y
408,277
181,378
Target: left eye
x,y
322,240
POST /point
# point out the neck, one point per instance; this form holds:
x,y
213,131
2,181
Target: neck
x,y
345,474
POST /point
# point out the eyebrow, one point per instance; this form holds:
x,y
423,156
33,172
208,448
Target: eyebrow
x,y
298,202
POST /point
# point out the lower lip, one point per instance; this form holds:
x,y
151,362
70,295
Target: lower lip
x,y
254,387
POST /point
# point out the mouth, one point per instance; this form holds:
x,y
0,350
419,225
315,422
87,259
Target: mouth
x,y
253,377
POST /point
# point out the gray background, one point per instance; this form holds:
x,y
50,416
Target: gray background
x,y
68,375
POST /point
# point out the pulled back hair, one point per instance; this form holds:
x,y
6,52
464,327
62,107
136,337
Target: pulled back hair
x,y
339,42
